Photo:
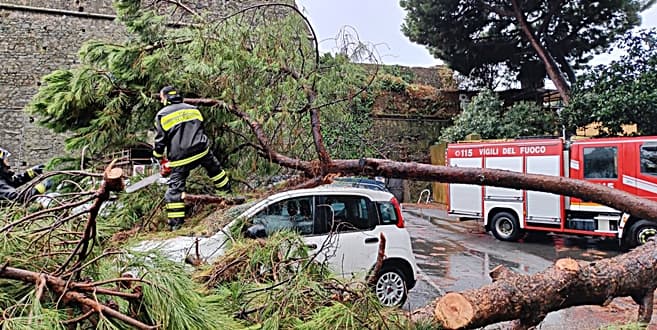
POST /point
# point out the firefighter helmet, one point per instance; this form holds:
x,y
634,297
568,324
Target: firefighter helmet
x,y
169,94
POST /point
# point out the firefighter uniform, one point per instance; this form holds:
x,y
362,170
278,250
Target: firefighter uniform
x,y
179,132
9,181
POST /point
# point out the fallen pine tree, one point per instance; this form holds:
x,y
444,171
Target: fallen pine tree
x,y
264,109
527,299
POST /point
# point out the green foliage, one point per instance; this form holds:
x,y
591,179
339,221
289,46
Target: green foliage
x,y
486,116
346,131
175,302
392,83
470,36
529,119
108,103
276,281
405,73
620,93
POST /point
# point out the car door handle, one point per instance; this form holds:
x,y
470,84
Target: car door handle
x,y
371,240
311,246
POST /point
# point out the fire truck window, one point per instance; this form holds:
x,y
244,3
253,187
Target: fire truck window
x,y
649,159
600,163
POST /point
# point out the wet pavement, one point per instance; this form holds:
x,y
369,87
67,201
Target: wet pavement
x,y
458,255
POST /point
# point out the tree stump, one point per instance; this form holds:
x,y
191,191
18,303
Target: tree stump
x,y
529,298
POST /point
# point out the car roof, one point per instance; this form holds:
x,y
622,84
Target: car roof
x,y
359,183
374,195
330,189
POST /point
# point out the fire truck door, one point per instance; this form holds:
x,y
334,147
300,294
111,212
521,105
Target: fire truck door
x,y
465,199
643,175
601,164
503,194
543,207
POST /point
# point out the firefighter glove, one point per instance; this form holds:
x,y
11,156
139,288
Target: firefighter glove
x,y
165,170
35,170
43,186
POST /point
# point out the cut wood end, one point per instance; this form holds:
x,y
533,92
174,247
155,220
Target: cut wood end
x,y
497,272
115,173
454,311
567,264
500,272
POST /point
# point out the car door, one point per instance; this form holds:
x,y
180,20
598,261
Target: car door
x,y
344,233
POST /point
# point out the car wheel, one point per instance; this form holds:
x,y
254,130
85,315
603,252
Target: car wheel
x,y
641,232
390,287
505,227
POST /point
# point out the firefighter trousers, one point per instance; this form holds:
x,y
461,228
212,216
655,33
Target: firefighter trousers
x,y
175,206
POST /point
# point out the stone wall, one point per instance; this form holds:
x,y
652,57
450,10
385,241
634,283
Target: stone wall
x,y
34,43
410,141
40,36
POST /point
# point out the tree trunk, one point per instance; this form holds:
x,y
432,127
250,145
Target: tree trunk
x,y
598,193
529,298
551,66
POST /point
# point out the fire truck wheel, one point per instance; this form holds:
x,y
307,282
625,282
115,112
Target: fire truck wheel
x,y
641,231
505,227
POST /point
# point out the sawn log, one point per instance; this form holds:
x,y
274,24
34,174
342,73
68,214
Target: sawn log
x,y
529,298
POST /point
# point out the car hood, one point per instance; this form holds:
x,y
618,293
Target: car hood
x,y
177,249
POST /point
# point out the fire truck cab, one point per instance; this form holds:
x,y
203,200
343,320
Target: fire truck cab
x,y
625,163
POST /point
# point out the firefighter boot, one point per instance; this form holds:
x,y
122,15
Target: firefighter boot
x,y
221,184
175,214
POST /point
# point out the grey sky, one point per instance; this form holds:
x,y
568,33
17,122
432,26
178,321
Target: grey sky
x,y
378,22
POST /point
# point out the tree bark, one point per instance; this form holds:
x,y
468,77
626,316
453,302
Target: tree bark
x,y
62,287
529,298
598,193
551,66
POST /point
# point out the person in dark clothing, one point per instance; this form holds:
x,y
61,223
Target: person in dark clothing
x,y
9,181
179,132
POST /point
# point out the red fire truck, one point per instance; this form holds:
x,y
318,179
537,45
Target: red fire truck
x,y
626,163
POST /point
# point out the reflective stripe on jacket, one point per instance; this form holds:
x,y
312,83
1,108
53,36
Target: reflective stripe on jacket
x,y
179,128
10,181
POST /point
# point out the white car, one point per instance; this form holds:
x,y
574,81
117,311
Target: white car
x,y
341,225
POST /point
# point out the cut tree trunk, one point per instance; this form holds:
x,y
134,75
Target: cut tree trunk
x,y
529,298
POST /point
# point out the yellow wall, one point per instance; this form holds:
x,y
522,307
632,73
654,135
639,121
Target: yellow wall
x,y
438,158
593,129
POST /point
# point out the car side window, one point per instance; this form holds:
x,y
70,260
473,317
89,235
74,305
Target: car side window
x,y
343,213
387,213
291,214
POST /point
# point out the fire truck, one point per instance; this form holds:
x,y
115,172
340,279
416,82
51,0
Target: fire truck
x,y
625,163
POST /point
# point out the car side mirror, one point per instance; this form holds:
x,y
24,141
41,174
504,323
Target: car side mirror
x,y
256,231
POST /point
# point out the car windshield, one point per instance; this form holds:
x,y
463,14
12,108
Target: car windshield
x,y
291,214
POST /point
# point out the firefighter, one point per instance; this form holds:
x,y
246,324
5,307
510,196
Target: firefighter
x,y
179,132
9,181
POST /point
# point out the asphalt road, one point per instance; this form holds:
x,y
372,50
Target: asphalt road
x,y
457,255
